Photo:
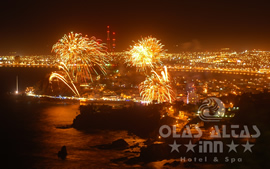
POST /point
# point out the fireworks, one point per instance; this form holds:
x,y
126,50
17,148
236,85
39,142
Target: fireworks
x,y
65,80
145,53
81,55
157,88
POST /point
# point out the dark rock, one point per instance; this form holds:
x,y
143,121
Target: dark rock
x,y
173,164
189,165
134,160
64,127
135,145
142,121
155,152
117,160
62,153
120,144
149,141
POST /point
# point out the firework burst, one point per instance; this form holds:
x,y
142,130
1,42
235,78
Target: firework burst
x,y
145,53
157,88
81,55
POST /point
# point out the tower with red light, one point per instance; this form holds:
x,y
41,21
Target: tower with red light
x,y
108,39
113,45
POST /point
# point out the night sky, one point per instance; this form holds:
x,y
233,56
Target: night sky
x,y
32,27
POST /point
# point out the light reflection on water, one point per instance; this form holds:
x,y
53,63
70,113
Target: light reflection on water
x,y
43,124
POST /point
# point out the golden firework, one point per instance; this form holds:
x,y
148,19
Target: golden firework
x,y
145,53
81,55
65,80
157,88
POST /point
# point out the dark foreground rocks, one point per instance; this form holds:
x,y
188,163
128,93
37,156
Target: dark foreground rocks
x,y
142,121
62,153
119,144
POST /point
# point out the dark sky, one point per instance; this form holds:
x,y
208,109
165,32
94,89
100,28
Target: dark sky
x,y
32,27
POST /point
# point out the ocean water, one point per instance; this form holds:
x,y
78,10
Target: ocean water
x,y
34,135
28,76
34,131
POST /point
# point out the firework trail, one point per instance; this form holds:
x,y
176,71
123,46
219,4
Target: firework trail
x,y
66,81
157,88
